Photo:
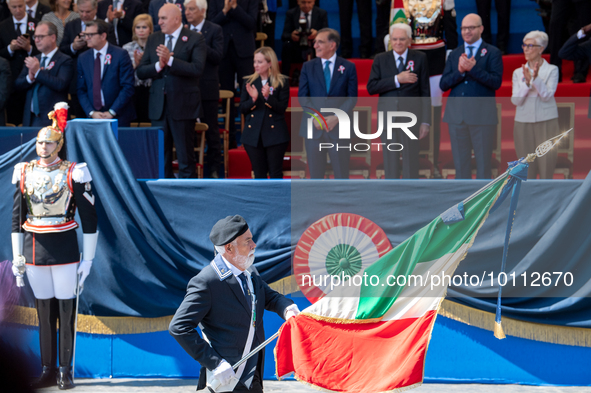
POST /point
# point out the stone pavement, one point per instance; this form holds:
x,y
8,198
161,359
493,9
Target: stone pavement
x,y
188,385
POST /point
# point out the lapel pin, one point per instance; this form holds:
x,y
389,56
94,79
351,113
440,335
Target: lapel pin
x,y
184,38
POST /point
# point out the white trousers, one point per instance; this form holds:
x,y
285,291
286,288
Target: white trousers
x,y
58,281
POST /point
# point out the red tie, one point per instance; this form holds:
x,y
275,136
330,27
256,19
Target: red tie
x,y
96,83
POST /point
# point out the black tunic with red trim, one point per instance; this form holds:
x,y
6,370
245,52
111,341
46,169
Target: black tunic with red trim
x,y
45,205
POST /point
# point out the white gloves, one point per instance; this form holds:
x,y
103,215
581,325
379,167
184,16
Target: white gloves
x,y
18,261
84,271
291,311
224,373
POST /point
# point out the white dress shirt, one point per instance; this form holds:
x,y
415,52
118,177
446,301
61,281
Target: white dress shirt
x,y
197,28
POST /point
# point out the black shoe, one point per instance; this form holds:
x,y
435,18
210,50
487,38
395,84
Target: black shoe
x,y
46,379
64,378
578,78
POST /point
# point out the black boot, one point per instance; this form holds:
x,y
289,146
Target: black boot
x,y
64,378
47,312
67,312
46,379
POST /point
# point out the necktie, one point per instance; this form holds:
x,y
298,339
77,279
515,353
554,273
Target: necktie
x,y
327,75
169,42
115,21
30,12
196,30
36,89
247,295
96,83
470,51
18,28
400,64
307,15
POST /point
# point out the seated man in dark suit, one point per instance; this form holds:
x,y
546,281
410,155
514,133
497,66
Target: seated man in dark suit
x,y
578,48
155,6
174,59
16,43
120,14
45,77
473,72
74,45
36,10
221,301
298,38
402,73
105,77
195,11
327,81
5,87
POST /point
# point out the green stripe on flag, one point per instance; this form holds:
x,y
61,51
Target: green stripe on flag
x,y
428,244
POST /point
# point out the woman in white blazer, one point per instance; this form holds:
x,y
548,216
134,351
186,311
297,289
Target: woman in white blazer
x,y
536,117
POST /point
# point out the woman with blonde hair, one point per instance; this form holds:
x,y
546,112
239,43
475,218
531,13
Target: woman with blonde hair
x,y
142,28
536,117
265,98
61,14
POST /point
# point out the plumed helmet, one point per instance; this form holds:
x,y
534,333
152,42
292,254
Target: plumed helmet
x,y
55,132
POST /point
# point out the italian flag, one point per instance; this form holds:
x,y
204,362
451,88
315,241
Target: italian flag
x,y
397,14
373,337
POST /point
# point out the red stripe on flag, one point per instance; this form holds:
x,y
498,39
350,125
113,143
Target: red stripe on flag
x,y
354,358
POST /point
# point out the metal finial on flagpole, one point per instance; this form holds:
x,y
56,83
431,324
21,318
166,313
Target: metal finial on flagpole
x,y
542,149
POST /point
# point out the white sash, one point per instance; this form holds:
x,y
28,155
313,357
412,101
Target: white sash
x,y
247,347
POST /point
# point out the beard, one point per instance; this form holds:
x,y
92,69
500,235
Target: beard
x,y
245,261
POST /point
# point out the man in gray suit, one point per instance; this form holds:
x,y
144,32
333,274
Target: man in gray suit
x,y
227,300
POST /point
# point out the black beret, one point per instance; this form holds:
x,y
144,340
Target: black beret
x,y
227,229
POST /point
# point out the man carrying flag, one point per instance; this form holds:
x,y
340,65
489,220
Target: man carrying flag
x,y
227,300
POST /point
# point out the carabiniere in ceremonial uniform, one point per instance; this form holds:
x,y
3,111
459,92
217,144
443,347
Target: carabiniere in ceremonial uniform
x,y
45,246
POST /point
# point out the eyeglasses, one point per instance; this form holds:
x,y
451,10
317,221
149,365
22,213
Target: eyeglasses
x,y
86,36
530,46
469,28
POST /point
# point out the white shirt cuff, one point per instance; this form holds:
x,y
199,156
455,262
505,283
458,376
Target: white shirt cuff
x,y
580,34
396,81
170,61
158,68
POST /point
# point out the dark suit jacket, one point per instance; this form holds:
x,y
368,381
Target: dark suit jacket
x,y
42,9
575,49
215,300
265,118
312,91
7,34
71,30
482,82
117,83
155,6
5,88
292,21
210,80
53,82
381,81
132,9
181,81
239,24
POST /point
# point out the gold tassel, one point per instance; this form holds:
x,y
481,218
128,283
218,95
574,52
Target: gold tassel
x,y
499,331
